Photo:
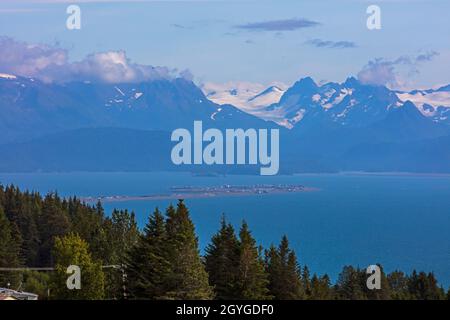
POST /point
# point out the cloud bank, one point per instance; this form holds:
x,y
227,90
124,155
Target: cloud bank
x,y
386,72
51,64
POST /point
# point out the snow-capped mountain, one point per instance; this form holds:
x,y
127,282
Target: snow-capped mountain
x,y
346,104
434,104
350,103
249,97
31,108
334,126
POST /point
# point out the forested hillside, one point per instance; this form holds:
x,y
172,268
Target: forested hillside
x,y
163,260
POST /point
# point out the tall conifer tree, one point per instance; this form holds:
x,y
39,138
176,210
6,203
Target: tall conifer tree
x,y
187,278
9,252
284,273
252,279
147,266
222,259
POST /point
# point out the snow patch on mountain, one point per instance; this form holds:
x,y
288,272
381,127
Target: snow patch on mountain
x,y
348,103
247,96
213,115
120,91
252,98
7,76
426,99
434,104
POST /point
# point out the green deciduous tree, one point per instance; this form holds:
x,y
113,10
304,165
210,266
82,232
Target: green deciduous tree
x,y
37,282
72,250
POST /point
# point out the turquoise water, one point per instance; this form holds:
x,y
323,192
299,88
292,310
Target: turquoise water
x,y
400,221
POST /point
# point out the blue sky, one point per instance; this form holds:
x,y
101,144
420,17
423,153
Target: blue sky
x,y
258,41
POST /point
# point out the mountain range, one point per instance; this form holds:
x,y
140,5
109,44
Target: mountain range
x,y
288,106
126,126
31,108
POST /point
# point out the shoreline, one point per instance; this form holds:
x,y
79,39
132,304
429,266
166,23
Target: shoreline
x,y
204,193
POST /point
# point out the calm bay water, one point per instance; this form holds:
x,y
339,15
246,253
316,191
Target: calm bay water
x,y
400,221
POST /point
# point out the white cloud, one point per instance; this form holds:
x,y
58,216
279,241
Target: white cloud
x,y
50,63
386,72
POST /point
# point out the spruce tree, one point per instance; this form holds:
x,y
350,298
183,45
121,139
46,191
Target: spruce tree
x,y
398,283
86,222
351,284
9,252
321,288
221,261
384,293
122,235
274,270
284,273
293,276
423,286
306,282
147,266
252,279
53,222
21,210
187,278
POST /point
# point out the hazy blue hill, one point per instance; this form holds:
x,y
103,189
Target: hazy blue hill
x,y
101,149
82,126
407,123
119,149
389,144
430,156
31,108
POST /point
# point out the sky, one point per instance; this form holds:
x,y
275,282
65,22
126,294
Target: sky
x,y
261,41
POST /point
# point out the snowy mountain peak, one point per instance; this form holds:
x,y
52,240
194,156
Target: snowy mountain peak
x,y
267,97
434,104
444,88
249,97
351,82
304,84
350,103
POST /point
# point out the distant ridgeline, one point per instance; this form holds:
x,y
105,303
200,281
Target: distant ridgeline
x,y
347,126
162,261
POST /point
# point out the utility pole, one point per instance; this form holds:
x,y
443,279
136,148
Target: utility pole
x,y
124,282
